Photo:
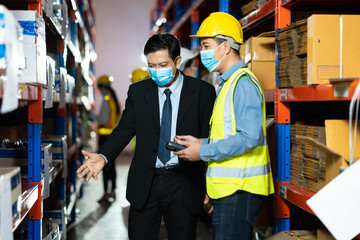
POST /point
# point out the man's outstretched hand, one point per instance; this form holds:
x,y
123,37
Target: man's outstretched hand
x,y
92,166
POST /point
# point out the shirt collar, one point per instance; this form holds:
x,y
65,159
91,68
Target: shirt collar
x,y
174,87
226,75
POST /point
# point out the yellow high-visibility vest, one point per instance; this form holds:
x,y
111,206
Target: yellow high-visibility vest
x,y
113,117
249,172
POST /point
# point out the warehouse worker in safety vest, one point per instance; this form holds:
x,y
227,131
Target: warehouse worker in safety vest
x,y
108,119
238,174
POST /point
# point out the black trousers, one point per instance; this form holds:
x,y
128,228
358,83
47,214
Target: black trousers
x,y
165,201
109,172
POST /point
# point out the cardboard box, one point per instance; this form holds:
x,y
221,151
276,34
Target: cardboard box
x,y
295,234
333,47
12,177
34,47
320,234
323,234
337,138
260,59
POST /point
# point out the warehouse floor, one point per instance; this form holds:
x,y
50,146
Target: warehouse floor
x,y
109,221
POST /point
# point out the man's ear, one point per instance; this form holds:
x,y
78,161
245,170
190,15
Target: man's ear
x,y
227,47
178,61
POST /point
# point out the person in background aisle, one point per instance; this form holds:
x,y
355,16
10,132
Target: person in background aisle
x,y
159,183
239,173
137,75
108,119
187,64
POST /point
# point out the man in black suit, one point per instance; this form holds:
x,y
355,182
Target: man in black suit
x,y
156,110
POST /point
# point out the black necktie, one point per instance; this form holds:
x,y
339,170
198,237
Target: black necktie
x,y
165,129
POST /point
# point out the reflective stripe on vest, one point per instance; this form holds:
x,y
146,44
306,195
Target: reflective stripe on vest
x,y
113,117
249,172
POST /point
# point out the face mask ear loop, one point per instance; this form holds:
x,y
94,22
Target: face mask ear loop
x,y
224,55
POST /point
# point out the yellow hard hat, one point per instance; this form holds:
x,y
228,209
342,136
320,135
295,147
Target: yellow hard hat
x,y
219,23
105,79
139,74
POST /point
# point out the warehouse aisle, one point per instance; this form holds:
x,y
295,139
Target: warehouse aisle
x,y
99,222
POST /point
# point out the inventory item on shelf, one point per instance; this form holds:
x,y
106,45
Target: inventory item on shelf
x,y
47,5
58,217
61,84
292,51
11,59
259,56
10,199
251,6
60,11
59,150
12,155
318,153
333,47
34,47
303,50
50,79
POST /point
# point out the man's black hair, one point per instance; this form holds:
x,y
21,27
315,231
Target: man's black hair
x,y
163,41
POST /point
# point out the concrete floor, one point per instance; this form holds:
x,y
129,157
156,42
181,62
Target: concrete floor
x,y
99,222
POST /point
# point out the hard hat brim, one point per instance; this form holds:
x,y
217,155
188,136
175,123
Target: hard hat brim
x,y
208,36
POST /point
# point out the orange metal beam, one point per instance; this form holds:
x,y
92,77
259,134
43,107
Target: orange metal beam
x,y
35,5
35,108
35,211
282,110
298,196
323,92
282,16
281,205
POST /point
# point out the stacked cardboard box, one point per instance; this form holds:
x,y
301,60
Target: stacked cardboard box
x,y
291,43
320,48
333,47
317,153
259,56
307,168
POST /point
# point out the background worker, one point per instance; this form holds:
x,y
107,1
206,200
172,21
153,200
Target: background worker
x,y
239,172
137,75
188,63
108,119
159,183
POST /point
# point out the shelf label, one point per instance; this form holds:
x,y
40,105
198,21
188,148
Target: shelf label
x,y
341,90
283,94
282,191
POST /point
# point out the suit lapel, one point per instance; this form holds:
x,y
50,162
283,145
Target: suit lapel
x,y
186,100
152,100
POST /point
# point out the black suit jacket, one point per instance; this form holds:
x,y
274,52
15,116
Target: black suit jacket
x,y
141,118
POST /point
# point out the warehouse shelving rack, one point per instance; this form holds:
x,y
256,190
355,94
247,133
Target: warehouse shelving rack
x,y
32,202
273,15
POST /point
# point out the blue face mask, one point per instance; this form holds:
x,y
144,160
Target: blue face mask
x,y
161,76
209,60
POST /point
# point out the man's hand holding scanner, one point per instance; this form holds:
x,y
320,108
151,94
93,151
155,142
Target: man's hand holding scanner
x,y
92,166
191,152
